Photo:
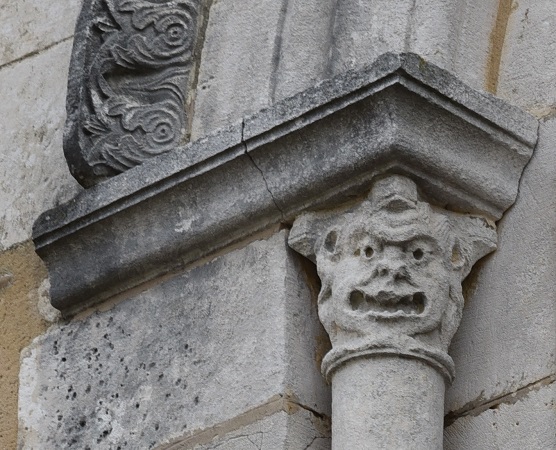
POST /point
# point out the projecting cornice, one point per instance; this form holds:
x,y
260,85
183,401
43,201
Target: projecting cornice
x,y
465,150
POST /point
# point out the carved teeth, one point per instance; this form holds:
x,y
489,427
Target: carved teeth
x,y
388,302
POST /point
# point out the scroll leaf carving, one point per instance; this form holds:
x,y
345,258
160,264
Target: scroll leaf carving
x,y
133,63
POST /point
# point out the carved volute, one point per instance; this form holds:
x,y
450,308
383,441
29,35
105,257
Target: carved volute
x,y
391,271
128,87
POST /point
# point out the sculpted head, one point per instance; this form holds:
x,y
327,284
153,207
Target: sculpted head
x,y
394,266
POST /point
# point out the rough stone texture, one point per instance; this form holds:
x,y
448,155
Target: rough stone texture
x,y
33,25
387,403
286,46
185,355
507,338
322,146
526,422
286,430
391,270
528,66
33,172
237,67
22,288
391,300
302,46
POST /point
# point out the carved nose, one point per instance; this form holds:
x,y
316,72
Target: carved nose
x,y
395,269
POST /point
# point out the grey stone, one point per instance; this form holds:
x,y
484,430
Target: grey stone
x,y
302,50
387,403
237,63
192,351
316,149
507,338
391,270
527,68
29,26
391,300
128,84
33,174
260,52
281,431
525,421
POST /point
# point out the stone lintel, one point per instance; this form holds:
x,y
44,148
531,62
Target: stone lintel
x,y
465,149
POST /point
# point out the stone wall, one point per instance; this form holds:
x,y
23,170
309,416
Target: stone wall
x,y
35,46
227,373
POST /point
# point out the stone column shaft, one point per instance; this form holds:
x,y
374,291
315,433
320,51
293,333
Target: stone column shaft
x,y
386,402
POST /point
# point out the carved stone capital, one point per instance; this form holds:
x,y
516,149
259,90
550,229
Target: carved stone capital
x,y
391,271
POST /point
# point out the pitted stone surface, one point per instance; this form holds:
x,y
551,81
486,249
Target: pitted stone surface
x,y
194,351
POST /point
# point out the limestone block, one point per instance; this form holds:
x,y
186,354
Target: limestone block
x,y
281,431
237,62
507,338
33,173
191,352
525,423
31,25
303,46
528,63
461,41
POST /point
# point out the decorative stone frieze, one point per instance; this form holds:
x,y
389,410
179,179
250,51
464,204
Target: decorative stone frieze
x,y
128,84
391,271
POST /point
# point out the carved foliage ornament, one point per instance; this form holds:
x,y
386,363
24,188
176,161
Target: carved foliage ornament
x,y
128,84
391,271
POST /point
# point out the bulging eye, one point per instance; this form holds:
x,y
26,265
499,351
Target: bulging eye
x,y
418,254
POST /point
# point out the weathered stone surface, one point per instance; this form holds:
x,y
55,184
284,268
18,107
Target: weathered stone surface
x,y
30,25
525,422
286,46
237,63
387,403
528,67
302,46
33,173
507,338
322,146
128,84
295,429
187,354
391,270
391,300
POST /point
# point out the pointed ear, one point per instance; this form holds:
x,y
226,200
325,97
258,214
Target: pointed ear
x,y
310,231
475,237
304,235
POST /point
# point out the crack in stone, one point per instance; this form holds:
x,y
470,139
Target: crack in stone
x,y
475,408
260,171
34,52
311,443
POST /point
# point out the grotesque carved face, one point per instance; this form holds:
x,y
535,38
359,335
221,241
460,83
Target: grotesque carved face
x,y
389,269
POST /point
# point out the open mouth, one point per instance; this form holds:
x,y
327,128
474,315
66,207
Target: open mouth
x,y
388,302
